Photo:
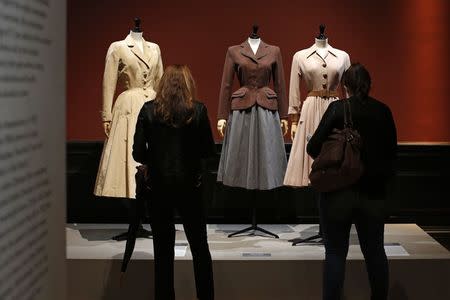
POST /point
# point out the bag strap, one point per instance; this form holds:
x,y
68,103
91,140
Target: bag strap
x,y
348,120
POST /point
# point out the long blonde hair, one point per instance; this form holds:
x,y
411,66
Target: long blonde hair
x,y
175,95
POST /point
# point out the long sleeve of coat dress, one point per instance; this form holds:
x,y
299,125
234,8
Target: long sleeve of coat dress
x,y
279,85
110,77
226,86
159,68
294,87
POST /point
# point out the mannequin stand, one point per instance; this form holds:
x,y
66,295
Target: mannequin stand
x,y
136,212
315,238
141,233
254,227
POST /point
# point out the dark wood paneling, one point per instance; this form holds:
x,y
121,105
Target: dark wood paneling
x,y
420,194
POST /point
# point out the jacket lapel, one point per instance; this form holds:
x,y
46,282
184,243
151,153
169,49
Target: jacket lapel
x,y
143,56
262,50
247,51
313,49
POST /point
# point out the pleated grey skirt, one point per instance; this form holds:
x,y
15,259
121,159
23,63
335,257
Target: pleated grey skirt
x,y
253,154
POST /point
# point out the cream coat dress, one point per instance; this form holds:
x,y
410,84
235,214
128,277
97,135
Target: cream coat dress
x,y
318,74
136,73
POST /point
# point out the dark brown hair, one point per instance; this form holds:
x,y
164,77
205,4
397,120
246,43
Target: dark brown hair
x,y
357,80
175,94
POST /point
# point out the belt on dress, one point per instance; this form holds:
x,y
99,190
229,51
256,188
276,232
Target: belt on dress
x,y
323,93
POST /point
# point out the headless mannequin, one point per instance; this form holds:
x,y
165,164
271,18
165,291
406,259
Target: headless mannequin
x,y
136,35
321,43
254,41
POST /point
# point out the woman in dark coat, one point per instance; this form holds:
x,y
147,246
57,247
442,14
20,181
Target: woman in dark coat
x,y
364,203
173,136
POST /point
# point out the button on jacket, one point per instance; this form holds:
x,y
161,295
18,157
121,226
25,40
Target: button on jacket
x,y
254,72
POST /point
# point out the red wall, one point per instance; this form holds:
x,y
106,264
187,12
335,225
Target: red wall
x,y
404,44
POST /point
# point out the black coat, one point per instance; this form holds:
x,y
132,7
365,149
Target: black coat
x,y
173,154
375,123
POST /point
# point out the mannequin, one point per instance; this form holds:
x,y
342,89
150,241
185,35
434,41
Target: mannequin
x,y
134,67
253,152
254,41
135,73
320,67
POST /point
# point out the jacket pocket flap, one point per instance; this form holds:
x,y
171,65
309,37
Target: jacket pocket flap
x,y
270,94
239,93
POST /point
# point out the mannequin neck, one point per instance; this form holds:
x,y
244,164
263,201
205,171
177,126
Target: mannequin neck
x,y
254,44
321,43
138,39
322,47
137,36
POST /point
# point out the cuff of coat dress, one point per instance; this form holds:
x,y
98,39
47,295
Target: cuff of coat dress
x,y
106,117
283,116
293,110
294,118
222,117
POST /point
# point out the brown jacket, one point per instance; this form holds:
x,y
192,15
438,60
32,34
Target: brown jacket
x,y
254,73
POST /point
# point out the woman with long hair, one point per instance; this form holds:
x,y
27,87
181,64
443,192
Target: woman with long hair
x,y
365,202
173,136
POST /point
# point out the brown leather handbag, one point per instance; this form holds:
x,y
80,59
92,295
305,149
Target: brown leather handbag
x,y
339,163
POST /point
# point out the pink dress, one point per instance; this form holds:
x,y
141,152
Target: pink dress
x,y
318,74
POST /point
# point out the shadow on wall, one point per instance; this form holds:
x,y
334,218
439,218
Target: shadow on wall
x,y
134,285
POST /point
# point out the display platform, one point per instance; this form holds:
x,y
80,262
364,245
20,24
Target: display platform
x,y
253,267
